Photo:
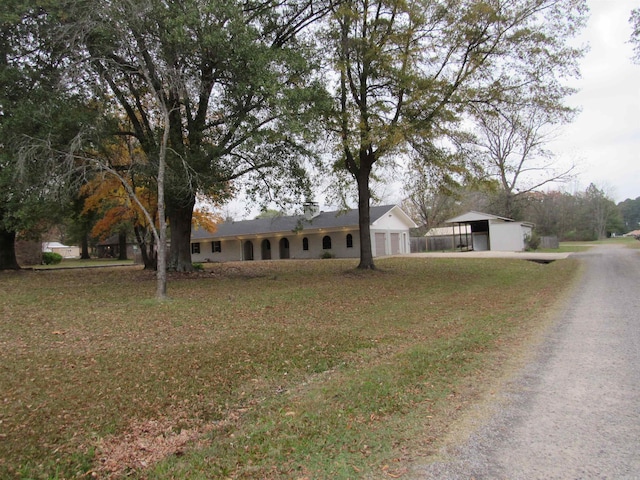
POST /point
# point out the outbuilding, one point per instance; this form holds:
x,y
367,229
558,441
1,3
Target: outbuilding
x,y
314,234
65,250
483,231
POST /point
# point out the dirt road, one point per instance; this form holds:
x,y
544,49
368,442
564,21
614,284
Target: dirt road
x,y
574,411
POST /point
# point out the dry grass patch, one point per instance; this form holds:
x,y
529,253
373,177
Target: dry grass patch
x,y
252,370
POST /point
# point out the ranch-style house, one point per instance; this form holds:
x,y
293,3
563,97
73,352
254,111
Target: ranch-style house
x,y
312,235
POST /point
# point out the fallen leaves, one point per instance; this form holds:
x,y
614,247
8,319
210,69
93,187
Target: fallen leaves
x,y
143,444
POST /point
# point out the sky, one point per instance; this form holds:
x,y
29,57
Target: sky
x,y
604,140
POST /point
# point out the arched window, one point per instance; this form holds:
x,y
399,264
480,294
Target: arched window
x,y
349,240
326,242
305,243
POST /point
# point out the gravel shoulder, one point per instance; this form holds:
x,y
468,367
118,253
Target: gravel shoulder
x,y
573,411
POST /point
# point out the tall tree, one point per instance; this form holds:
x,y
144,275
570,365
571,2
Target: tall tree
x,y
233,77
602,215
30,105
409,69
511,140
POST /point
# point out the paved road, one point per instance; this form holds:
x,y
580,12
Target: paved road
x,y
574,411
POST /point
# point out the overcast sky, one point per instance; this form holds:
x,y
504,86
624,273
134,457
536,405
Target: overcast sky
x,y
604,140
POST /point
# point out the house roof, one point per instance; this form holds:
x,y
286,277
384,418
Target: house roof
x,y
287,224
47,246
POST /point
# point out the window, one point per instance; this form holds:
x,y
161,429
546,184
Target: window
x,y
305,243
349,240
195,248
326,242
216,246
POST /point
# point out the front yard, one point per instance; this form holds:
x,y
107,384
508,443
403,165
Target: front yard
x,y
289,369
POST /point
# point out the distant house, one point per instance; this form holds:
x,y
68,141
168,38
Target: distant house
x,y
311,235
484,231
110,247
64,250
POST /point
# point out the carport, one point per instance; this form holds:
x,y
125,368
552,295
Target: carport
x,y
490,232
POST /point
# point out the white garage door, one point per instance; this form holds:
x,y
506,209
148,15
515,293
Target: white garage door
x,y
395,243
380,247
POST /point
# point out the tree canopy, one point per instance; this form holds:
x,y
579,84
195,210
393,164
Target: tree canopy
x,y
234,77
31,106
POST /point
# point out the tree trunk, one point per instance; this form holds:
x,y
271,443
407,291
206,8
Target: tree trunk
x,y
8,259
180,215
122,246
364,220
84,247
149,258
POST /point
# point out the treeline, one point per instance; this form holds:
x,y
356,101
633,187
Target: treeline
x,y
585,215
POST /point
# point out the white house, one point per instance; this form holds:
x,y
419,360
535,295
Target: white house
x,y
491,232
311,235
64,250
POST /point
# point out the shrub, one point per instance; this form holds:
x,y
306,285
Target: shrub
x,y
327,254
198,267
532,242
51,258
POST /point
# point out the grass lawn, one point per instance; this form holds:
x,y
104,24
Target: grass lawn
x,y
583,246
292,369
77,263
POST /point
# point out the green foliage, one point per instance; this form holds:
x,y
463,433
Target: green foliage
x,y
327,254
630,211
34,112
51,258
198,267
532,242
588,215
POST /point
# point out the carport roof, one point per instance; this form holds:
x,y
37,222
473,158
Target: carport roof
x,y
472,216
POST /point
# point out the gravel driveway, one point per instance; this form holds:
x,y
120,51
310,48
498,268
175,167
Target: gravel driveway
x,y
574,411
